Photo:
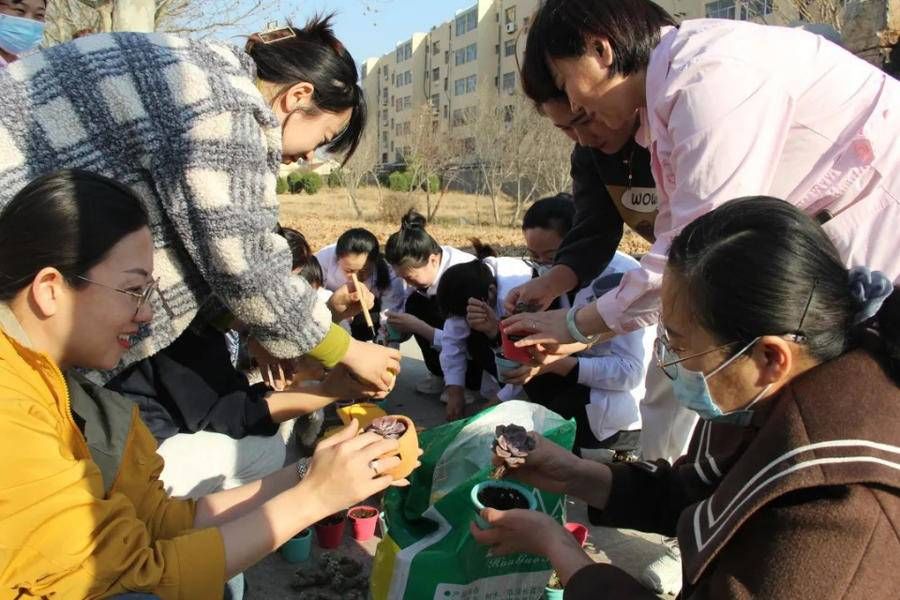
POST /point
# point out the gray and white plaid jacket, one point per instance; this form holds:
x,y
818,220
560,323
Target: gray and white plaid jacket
x,y
184,125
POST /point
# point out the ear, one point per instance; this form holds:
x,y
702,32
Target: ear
x,y
298,95
775,359
47,290
601,49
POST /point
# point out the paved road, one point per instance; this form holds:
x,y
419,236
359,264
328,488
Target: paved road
x,y
271,578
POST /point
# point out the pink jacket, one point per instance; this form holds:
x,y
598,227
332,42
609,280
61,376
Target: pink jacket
x,y
737,109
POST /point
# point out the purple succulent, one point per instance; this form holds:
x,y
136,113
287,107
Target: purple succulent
x,y
390,428
511,443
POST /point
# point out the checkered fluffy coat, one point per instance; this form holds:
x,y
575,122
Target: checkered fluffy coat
x,y
184,125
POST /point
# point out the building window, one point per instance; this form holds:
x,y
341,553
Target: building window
x,y
509,111
406,128
457,118
384,115
436,100
759,8
407,78
509,48
407,102
435,47
467,22
467,54
720,9
471,82
446,111
466,85
404,52
509,82
436,73
459,87
510,15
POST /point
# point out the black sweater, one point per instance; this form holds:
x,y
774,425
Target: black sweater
x,y
192,386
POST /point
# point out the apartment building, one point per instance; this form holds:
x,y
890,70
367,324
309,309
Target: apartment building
x,y
458,62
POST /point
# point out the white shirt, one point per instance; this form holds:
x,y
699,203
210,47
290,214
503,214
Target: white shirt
x,y
449,257
615,371
508,273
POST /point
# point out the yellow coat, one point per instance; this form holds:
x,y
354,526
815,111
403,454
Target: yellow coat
x,y
70,528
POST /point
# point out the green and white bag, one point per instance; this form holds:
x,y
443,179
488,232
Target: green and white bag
x,y
428,552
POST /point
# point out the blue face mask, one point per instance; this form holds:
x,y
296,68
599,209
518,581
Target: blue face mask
x,y
19,35
692,392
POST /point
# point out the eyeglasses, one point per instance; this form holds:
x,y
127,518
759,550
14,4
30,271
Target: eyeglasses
x,y
534,263
140,298
662,348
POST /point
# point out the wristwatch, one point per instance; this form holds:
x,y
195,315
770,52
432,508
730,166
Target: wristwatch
x,y
590,340
303,467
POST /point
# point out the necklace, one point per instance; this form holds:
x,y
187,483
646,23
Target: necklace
x,y
628,163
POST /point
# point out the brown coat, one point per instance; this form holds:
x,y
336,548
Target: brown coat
x,y
802,503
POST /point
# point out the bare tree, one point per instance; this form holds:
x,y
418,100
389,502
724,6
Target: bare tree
x,y
827,12
189,17
360,169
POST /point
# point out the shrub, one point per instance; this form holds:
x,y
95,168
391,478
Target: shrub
x,y
311,182
434,184
393,206
335,179
281,186
295,182
398,181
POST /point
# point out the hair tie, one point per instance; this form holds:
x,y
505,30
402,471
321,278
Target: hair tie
x,y
869,289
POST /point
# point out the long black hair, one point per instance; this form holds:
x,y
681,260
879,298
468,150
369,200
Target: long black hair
x,y
68,220
303,261
363,241
314,55
471,279
556,213
759,266
560,28
412,246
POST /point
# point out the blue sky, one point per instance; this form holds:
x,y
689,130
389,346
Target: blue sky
x,y
371,27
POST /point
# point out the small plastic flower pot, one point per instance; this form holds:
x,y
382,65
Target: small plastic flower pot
x,y
578,531
363,520
528,495
409,450
509,349
553,594
504,366
297,548
392,335
330,531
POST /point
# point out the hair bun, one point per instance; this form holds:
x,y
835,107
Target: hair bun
x,y
413,220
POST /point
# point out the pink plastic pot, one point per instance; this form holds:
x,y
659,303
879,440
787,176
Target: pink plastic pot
x,y
330,531
578,531
363,525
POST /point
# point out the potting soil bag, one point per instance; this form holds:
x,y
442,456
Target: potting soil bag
x,y
428,552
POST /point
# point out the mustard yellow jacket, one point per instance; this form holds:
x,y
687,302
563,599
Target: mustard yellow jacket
x,y
82,511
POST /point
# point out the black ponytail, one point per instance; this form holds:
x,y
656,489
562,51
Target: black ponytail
x,y
883,335
463,281
412,246
556,213
482,250
314,55
363,241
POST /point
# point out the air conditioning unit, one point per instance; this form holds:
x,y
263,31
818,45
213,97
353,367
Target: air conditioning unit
x,y
511,27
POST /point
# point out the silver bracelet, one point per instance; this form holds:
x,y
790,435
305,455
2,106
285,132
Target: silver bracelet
x,y
303,467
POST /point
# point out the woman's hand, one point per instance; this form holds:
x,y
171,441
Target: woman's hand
x,y
541,291
306,368
535,533
374,366
548,467
276,373
546,328
345,302
341,472
518,530
404,322
523,374
456,402
340,385
481,317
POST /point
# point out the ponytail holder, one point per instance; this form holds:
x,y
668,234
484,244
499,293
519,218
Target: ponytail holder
x,y
869,289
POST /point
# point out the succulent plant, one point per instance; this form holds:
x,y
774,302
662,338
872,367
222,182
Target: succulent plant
x,y
511,443
390,428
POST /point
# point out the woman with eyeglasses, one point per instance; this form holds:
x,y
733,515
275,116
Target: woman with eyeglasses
x,y
791,486
198,129
82,511
602,387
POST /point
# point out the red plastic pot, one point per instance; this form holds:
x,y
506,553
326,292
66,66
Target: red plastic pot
x,y
578,531
330,532
363,524
510,351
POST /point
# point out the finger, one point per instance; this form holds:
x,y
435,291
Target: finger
x,y
485,537
512,298
493,516
371,446
535,339
345,434
400,483
385,465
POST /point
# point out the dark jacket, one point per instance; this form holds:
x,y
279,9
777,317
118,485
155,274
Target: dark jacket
x,y
192,386
602,188
802,503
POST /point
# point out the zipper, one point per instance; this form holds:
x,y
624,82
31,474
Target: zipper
x,y
68,406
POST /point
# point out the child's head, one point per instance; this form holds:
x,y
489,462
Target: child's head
x,y
303,262
467,280
545,225
359,253
414,254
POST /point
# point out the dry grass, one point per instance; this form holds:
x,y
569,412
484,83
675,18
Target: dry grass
x,y
324,216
